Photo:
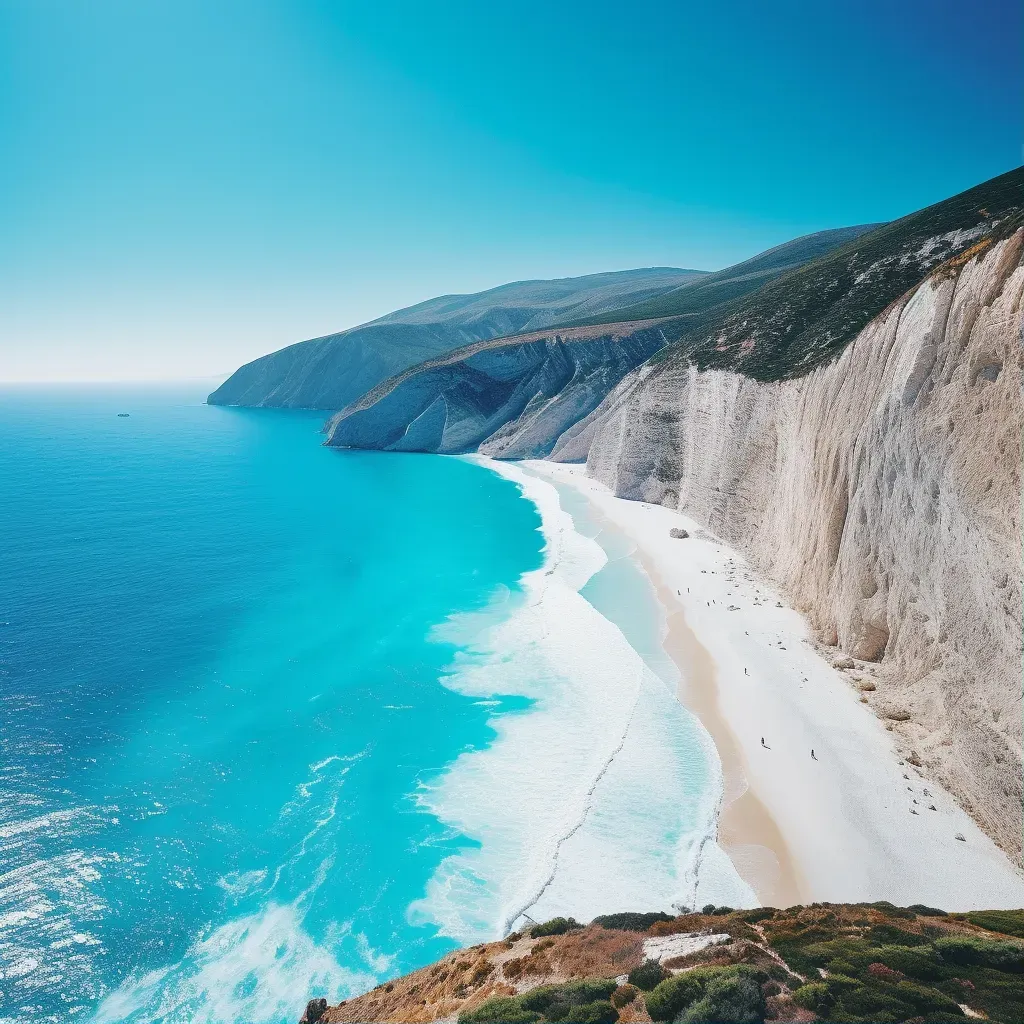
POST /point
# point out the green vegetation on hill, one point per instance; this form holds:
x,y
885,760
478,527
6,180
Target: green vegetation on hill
x,y
838,963
807,316
721,286
631,922
556,926
586,1002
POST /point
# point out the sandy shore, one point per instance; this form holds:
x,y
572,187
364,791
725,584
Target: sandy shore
x,y
852,824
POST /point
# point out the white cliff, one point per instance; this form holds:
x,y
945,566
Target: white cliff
x,y
883,492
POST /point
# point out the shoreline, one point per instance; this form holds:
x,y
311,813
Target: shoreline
x,y
746,832
604,792
854,823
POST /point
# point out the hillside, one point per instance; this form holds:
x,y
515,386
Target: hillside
x,y
842,963
329,372
513,396
808,316
710,290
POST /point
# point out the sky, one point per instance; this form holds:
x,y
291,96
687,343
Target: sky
x,y
188,184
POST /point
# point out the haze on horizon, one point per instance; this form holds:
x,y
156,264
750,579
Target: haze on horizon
x,y
185,186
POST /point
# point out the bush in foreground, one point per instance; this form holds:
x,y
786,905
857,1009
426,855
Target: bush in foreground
x,y
577,1002
968,950
648,975
500,1010
631,922
710,994
556,926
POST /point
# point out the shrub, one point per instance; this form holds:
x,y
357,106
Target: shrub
x,y
676,996
919,962
887,935
922,911
758,914
1009,922
581,1002
815,997
964,949
875,1003
575,993
839,983
925,1000
649,974
500,1010
708,908
887,908
735,997
850,949
556,926
624,995
600,1011
883,973
631,922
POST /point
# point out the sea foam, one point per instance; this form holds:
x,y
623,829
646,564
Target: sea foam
x,y
602,795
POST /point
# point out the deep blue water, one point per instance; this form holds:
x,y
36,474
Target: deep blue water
x,y
218,695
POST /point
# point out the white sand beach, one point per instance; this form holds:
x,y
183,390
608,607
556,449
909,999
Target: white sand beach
x,y
854,822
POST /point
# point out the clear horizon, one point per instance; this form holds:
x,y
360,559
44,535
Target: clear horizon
x,y
189,186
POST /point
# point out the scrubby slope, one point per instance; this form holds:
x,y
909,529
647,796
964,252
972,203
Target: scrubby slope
x,y
705,293
808,316
826,962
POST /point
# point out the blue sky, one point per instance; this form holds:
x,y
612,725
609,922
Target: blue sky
x,y
186,184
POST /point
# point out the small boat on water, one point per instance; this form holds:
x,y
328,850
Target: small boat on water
x,y
124,414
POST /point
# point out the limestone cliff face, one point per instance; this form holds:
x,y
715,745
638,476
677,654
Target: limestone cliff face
x,y
509,398
883,491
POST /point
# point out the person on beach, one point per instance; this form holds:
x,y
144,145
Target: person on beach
x,y
813,754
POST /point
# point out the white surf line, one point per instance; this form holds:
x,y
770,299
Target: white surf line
x,y
517,476
709,832
589,802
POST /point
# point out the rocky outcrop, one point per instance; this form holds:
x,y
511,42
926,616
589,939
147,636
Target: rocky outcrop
x,y
510,399
883,491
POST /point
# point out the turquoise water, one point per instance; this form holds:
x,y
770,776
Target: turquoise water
x,y
218,700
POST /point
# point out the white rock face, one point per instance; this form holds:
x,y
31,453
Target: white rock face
x,y
667,947
883,491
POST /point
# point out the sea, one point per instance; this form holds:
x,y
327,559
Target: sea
x,y
280,721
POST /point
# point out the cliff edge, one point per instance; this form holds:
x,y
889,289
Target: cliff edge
x,y
883,491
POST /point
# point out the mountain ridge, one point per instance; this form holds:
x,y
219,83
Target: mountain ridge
x,y
331,371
